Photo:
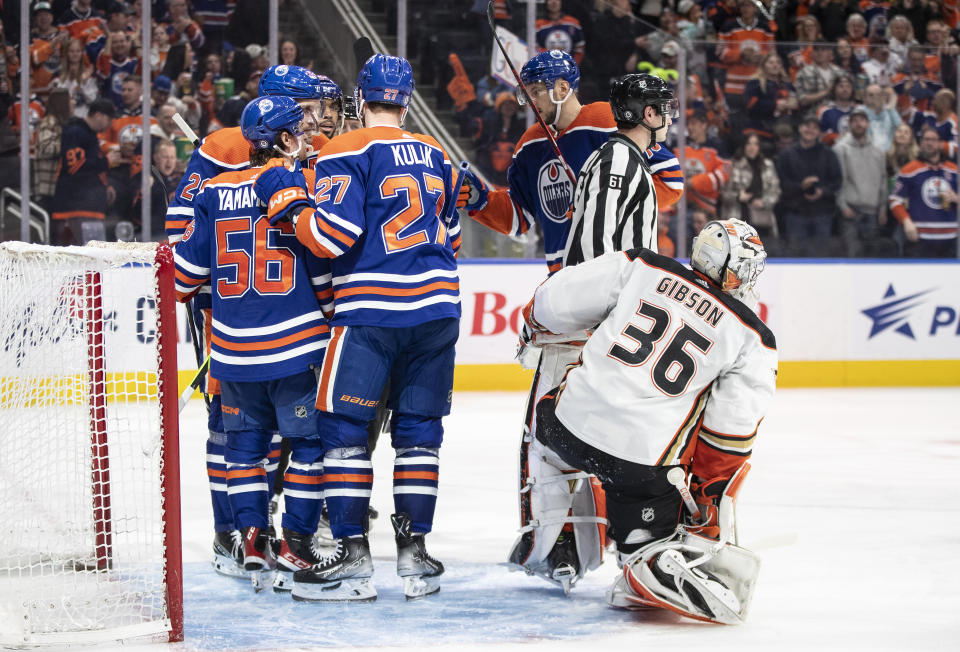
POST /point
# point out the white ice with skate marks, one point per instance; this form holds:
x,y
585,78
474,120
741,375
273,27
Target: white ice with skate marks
x,y
850,504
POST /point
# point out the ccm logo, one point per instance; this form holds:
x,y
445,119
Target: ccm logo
x,y
226,409
284,197
359,401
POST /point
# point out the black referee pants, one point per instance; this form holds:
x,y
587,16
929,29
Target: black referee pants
x,y
642,505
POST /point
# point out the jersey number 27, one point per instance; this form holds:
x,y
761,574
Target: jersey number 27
x,y
393,230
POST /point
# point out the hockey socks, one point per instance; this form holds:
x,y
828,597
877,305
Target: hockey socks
x,y
348,481
415,476
303,486
247,485
217,476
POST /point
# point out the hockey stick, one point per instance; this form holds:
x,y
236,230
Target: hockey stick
x,y
362,50
526,95
194,334
187,131
194,384
451,211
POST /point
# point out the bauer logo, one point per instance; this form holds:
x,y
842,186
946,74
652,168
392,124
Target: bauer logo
x,y
556,191
912,315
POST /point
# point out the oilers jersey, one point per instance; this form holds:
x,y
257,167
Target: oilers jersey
x,y
382,195
540,191
268,291
222,151
918,195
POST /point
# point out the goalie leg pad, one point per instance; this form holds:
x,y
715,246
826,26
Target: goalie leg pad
x,y
694,577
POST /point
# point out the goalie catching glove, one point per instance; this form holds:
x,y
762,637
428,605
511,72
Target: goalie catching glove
x,y
284,192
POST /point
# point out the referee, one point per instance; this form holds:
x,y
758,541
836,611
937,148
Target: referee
x,y
615,204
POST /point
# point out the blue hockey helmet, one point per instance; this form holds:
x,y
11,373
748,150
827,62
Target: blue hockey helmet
x,y
385,79
265,117
548,67
298,83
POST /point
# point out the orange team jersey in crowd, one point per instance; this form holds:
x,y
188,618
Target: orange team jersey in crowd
x,y
732,41
121,127
36,110
539,191
563,34
77,28
44,65
707,173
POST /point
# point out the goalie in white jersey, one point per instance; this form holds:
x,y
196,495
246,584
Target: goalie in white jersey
x,y
677,375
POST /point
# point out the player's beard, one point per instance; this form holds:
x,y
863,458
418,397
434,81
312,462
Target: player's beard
x,y
549,114
327,128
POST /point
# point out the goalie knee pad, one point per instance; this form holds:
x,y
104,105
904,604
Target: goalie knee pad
x,y
691,575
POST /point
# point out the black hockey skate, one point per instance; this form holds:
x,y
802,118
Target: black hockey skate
x,y
563,563
259,559
298,551
342,576
228,554
420,572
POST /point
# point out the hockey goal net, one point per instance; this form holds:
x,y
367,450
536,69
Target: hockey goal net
x,y
89,466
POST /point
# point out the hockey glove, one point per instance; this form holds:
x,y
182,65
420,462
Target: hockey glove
x,y
284,192
473,193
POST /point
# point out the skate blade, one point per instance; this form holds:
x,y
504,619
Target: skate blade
x,y
416,587
228,567
261,579
355,590
565,576
283,582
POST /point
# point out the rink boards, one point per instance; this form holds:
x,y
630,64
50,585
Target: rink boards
x,y
837,323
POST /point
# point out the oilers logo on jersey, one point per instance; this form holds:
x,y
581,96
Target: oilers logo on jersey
x,y
116,83
556,191
932,191
558,39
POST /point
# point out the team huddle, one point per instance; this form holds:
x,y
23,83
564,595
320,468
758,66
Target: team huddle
x,y
321,266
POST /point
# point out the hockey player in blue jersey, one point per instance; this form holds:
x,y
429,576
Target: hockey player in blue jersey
x,y
539,191
268,335
382,216
223,151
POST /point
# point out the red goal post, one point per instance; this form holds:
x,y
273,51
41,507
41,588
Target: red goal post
x,y
90,544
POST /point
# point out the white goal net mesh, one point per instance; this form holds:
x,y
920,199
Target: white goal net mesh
x,y
82,550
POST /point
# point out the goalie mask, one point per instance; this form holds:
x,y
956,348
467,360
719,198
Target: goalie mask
x,y
730,254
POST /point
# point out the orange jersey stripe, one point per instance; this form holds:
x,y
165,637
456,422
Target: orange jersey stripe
x,y
269,344
395,292
68,214
246,473
415,475
326,373
348,477
333,233
303,479
213,473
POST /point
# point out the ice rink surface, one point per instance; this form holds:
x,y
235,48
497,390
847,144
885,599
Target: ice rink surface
x,y
852,505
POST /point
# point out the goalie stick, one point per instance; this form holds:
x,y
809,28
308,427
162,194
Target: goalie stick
x,y
536,112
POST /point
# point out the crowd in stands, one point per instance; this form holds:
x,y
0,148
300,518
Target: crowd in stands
x,y
86,99
805,117
776,94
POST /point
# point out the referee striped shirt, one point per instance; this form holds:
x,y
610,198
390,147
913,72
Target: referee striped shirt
x,y
615,205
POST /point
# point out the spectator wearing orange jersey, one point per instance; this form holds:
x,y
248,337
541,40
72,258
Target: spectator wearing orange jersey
x,y
704,170
856,35
743,42
46,41
560,31
80,17
915,86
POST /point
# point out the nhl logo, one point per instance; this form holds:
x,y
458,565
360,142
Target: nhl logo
x,y
556,191
300,411
647,514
